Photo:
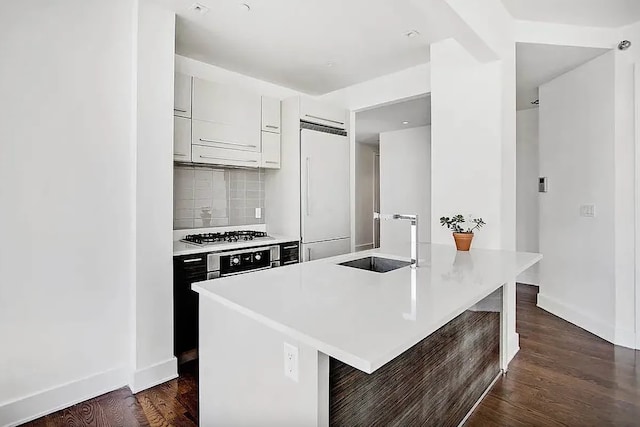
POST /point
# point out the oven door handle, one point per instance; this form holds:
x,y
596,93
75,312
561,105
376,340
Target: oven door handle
x,y
243,272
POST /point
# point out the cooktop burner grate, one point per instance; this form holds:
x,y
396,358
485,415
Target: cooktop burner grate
x,y
226,237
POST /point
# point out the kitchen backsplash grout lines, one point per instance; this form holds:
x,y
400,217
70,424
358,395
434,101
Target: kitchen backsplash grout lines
x,y
210,197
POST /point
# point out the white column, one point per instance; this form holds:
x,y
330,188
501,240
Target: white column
x,y
152,297
473,134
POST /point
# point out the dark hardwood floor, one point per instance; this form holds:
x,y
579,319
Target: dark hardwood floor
x,y
174,403
562,376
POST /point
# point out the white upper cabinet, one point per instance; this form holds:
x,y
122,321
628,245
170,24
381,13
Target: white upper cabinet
x,y
270,115
181,139
235,109
227,136
270,150
182,95
224,157
317,112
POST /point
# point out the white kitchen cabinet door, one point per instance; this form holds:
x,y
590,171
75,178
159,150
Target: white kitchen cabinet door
x,y
270,150
313,251
182,95
181,139
317,112
224,157
225,136
324,185
233,115
270,114
229,105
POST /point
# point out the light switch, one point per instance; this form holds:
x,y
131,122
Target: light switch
x,y
588,211
291,361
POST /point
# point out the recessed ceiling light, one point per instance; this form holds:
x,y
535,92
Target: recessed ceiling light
x,y
199,8
330,64
405,122
412,34
245,7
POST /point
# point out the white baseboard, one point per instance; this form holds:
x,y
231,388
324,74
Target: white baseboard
x,y
621,337
154,375
29,408
626,338
577,317
514,346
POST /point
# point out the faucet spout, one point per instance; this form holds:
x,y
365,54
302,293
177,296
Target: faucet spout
x,y
414,231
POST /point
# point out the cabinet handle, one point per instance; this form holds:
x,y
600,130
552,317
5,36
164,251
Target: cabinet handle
x,y
228,143
308,197
225,158
272,162
326,120
178,154
272,127
290,247
192,260
308,254
289,262
179,111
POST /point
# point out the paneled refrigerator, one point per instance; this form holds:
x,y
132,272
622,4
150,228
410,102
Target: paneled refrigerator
x,y
324,190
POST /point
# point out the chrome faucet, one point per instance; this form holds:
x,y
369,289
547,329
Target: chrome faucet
x,y
414,232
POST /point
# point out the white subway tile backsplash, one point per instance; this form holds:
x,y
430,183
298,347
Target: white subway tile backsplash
x,y
181,214
205,197
220,222
219,213
203,203
182,223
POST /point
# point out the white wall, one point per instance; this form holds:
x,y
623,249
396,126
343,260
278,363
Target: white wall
x,y
210,72
365,187
154,361
527,203
586,274
625,191
405,183
466,142
633,57
408,83
66,190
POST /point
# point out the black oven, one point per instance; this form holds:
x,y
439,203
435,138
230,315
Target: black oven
x,y
222,264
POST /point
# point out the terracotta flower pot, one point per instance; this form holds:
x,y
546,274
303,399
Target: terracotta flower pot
x,y
463,240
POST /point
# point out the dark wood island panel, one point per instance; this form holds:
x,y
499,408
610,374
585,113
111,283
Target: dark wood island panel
x,y
434,383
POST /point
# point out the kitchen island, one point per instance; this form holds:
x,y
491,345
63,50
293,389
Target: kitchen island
x,y
405,346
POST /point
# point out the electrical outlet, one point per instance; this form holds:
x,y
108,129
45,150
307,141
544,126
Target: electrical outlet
x,y
588,211
258,213
291,361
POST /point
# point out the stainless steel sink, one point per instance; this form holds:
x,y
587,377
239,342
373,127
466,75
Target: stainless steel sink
x,y
377,264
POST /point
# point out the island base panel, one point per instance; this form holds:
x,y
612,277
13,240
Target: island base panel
x,y
436,382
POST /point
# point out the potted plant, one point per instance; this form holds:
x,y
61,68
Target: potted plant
x,y
462,236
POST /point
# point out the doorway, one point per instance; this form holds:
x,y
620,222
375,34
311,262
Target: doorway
x,y
395,179
376,199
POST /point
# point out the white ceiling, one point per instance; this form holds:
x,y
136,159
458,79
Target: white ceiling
x,y
370,123
290,42
594,13
538,63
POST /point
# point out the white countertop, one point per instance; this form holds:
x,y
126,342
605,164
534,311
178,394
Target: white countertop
x,y
363,318
182,248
